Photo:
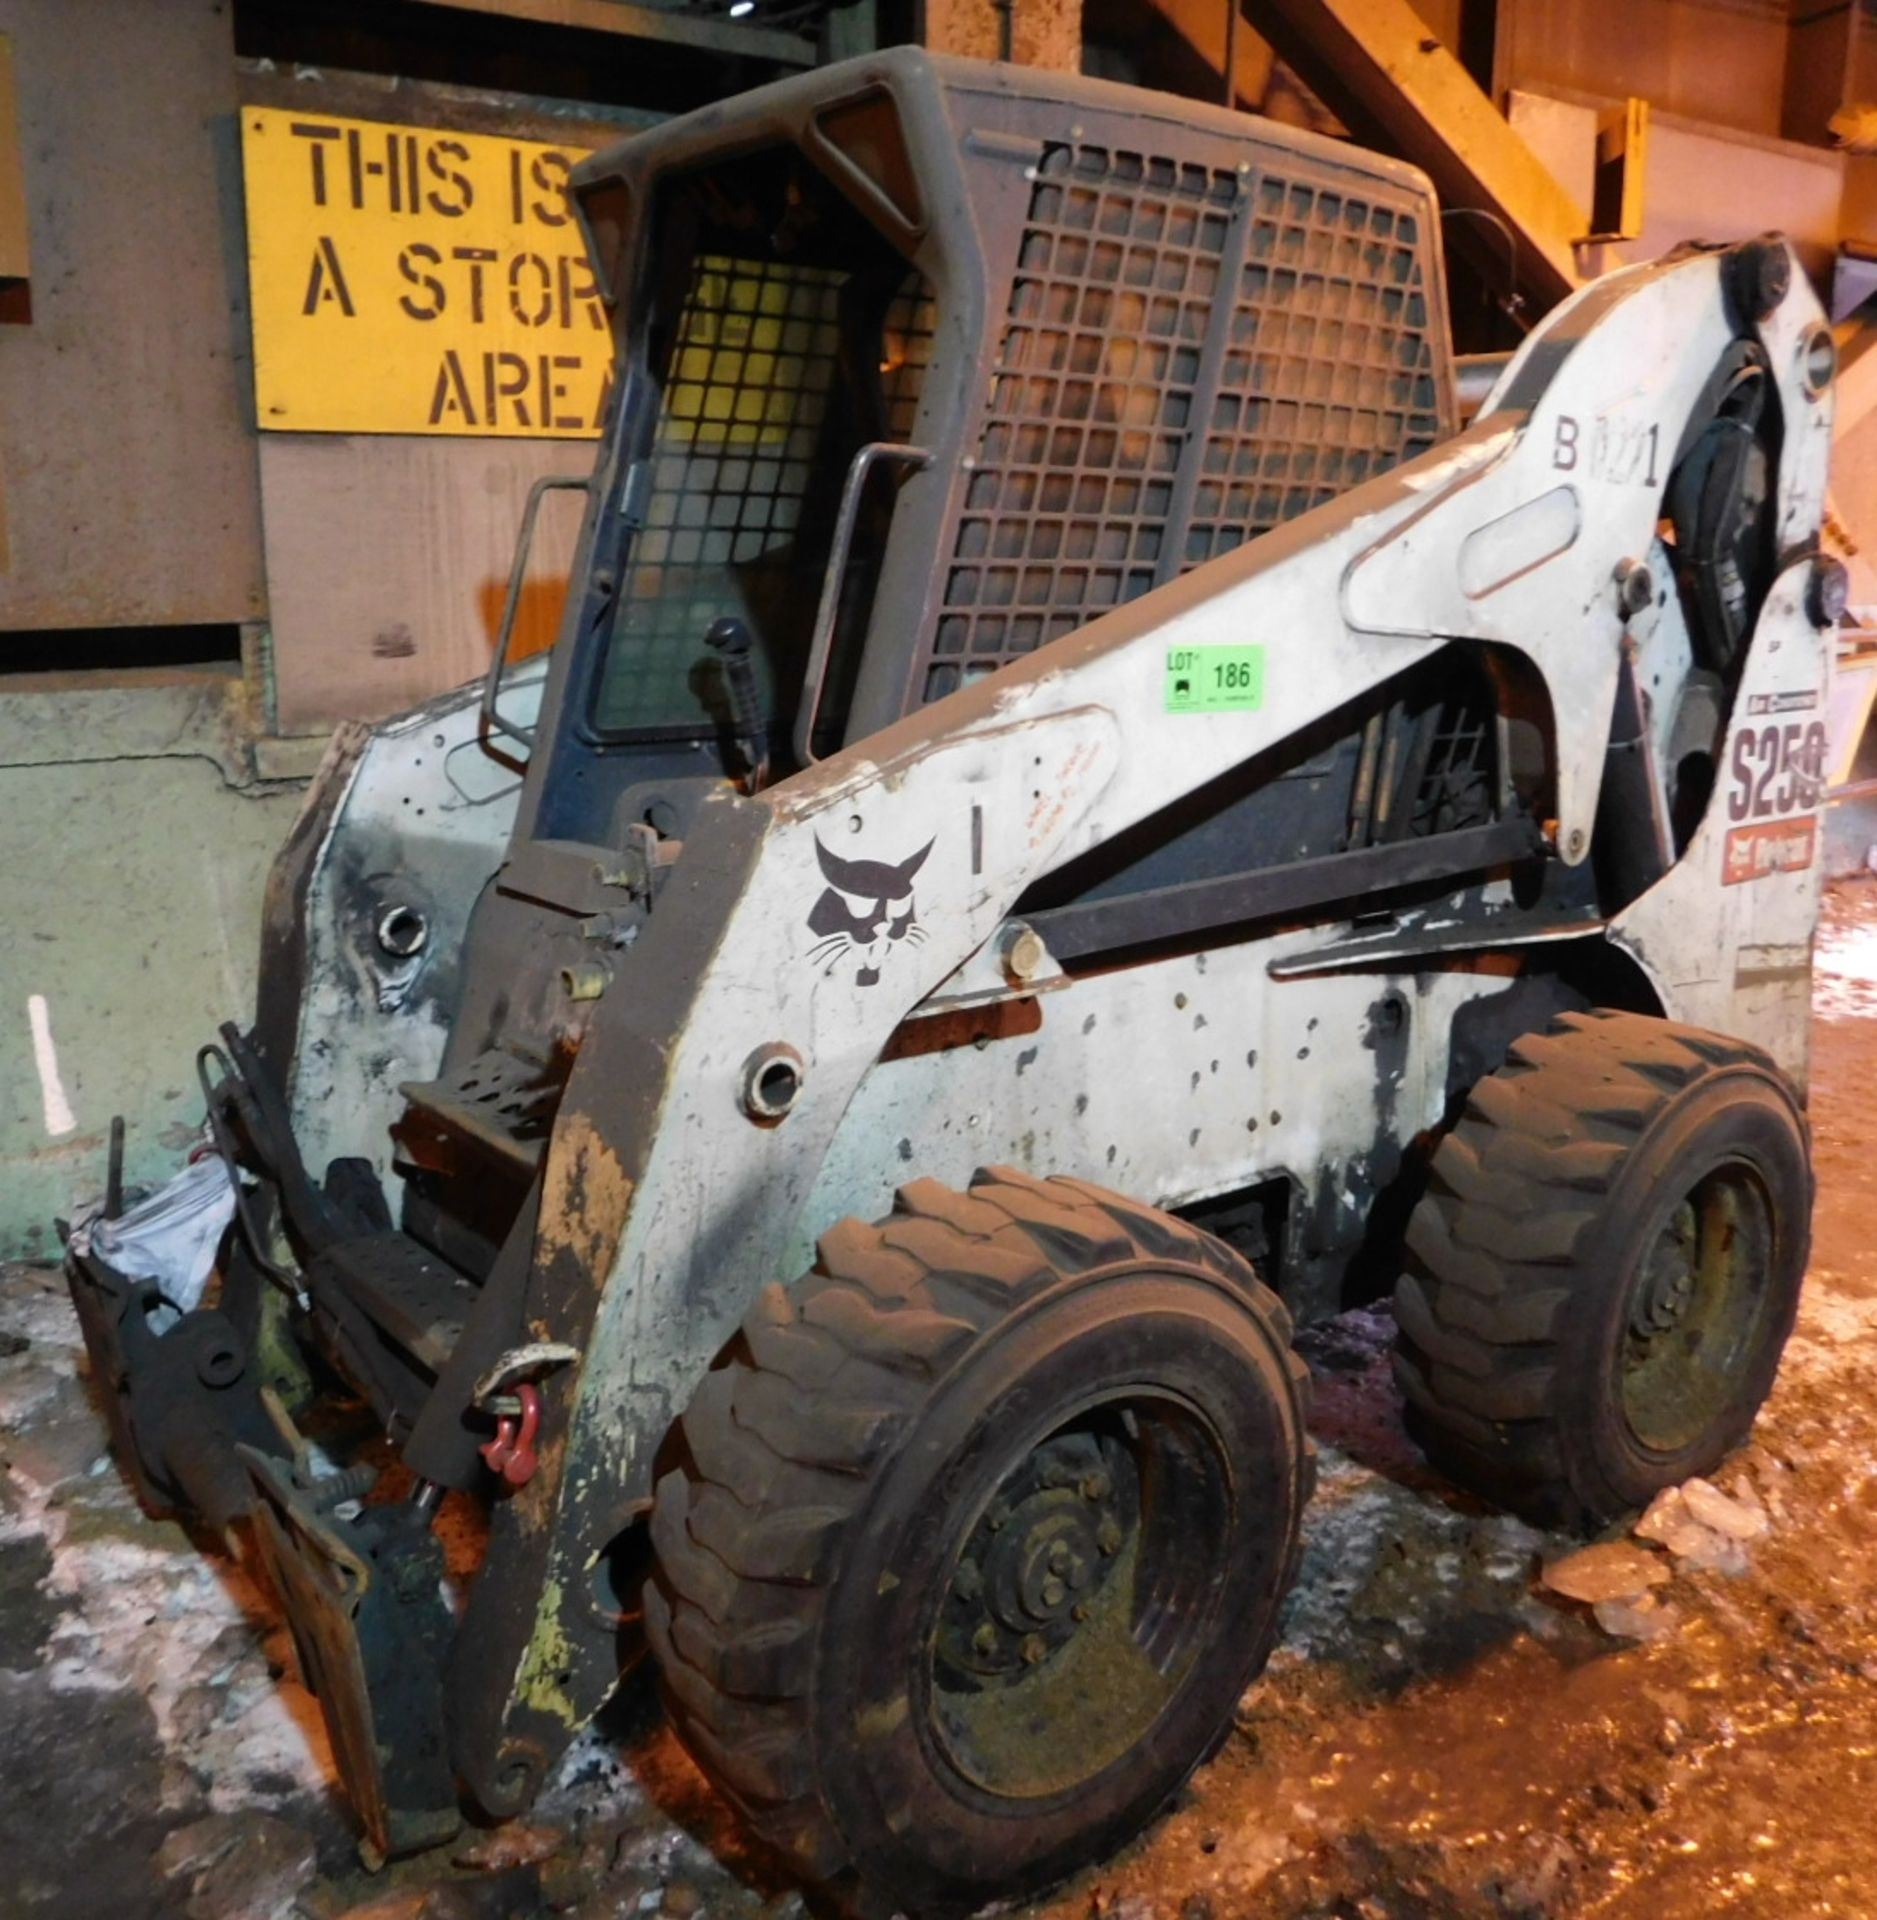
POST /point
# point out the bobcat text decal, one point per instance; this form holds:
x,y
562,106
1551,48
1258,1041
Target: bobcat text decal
x,y
866,910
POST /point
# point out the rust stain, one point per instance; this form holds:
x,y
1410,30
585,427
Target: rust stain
x,y
536,1502
584,1200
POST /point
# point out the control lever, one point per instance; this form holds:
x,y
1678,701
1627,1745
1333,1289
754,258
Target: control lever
x,y
729,639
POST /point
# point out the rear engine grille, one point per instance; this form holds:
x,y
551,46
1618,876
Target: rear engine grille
x,y
1190,356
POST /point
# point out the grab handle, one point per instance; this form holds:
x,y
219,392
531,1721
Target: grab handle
x,y
822,644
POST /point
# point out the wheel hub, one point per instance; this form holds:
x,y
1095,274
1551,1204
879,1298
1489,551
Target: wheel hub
x,y
1037,1558
1668,1283
1694,1308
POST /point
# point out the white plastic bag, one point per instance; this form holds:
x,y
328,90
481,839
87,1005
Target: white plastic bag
x,y
172,1236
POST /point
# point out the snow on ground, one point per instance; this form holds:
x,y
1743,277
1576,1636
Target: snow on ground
x,y
1844,970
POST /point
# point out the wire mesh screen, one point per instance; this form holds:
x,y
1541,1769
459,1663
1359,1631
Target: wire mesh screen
x,y
1090,406
1455,787
1327,375
906,336
1190,356
732,456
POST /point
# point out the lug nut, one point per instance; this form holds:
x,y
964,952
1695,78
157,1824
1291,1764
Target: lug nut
x,y
985,1639
1079,1611
1059,1556
1034,1650
1053,1592
999,1516
967,1582
1097,1487
1108,1534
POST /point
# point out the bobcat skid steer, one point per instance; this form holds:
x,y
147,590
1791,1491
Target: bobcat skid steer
x,y
1076,816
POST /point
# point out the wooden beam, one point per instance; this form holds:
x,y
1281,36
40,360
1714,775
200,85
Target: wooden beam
x,y
1202,25
1378,68
651,23
14,262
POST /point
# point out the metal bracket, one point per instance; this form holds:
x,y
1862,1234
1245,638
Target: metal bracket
x,y
369,1623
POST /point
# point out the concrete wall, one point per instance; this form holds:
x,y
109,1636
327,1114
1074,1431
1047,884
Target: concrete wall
x,y
1715,60
1702,182
133,866
1040,33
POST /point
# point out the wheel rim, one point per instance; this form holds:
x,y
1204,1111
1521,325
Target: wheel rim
x,y
1696,1309
1078,1596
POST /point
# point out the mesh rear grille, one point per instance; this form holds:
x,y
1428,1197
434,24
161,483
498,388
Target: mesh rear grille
x,y
1091,402
906,337
731,459
1327,375
1190,356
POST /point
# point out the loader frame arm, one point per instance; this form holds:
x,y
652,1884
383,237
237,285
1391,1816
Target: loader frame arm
x,y
703,1102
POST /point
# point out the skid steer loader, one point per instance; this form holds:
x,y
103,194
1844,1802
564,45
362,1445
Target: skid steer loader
x,y
1076,816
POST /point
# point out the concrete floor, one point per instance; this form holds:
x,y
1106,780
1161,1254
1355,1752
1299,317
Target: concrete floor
x,y
1440,1736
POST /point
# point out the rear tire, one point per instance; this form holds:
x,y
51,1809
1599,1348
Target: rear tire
x,y
1605,1267
975,1536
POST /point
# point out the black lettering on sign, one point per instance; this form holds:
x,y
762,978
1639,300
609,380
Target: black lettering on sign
x,y
577,284
451,396
530,290
326,281
554,392
1775,770
319,135
476,257
436,299
461,195
550,171
397,170
1564,445
512,385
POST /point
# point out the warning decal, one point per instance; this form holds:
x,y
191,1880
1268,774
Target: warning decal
x,y
416,280
1773,846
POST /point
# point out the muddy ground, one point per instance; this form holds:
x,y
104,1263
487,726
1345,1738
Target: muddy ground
x,y
1439,1736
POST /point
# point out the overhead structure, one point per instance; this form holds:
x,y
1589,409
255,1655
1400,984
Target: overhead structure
x,y
1394,85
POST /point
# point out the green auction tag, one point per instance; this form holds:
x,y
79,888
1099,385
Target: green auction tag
x,y
1215,679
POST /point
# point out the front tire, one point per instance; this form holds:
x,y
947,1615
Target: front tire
x,y
976,1535
1603,1272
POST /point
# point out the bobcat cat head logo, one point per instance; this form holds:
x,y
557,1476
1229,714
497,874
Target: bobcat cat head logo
x,y
865,910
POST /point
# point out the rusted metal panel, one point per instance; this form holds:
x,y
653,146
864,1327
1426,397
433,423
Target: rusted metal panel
x,y
427,530
130,477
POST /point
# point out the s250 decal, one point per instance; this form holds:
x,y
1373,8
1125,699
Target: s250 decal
x,y
1775,778
1775,769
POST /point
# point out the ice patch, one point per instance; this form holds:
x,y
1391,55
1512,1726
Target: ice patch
x,y
1844,972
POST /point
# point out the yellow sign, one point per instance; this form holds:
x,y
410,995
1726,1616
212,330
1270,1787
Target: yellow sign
x,y
410,280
